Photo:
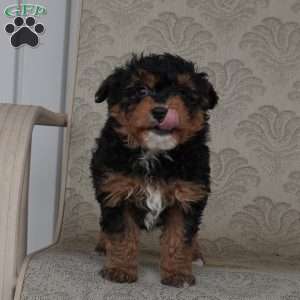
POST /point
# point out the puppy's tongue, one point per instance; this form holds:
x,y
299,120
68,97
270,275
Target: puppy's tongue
x,y
170,121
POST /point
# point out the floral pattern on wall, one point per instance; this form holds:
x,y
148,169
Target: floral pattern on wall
x,y
227,17
174,34
296,6
268,226
294,94
292,185
231,177
125,14
275,46
236,86
273,135
94,35
250,50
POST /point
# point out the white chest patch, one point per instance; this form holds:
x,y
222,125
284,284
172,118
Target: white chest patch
x,y
150,159
155,141
154,204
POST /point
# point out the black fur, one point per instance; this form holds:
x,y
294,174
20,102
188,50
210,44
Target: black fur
x,y
189,161
114,89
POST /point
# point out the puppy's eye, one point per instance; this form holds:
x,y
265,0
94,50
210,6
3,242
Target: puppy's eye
x,y
143,92
137,92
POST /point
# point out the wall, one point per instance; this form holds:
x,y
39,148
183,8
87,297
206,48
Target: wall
x,y
37,76
250,50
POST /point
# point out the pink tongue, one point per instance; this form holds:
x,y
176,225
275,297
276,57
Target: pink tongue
x,y
170,121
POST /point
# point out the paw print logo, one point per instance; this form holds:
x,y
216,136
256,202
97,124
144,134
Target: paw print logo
x,y
24,31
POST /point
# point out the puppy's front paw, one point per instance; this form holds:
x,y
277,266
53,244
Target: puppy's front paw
x,y
118,275
179,280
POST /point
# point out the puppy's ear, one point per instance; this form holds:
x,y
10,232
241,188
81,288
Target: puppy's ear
x,y
208,93
104,89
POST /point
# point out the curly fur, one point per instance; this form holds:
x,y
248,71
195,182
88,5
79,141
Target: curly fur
x,y
145,176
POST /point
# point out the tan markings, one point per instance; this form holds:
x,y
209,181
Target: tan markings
x,y
140,116
185,80
134,123
101,248
176,255
149,79
137,121
122,252
132,142
184,193
120,187
189,126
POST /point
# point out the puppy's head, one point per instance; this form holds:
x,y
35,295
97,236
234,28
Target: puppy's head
x,y
157,101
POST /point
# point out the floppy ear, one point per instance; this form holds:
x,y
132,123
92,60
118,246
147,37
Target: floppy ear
x,y
212,97
104,89
207,90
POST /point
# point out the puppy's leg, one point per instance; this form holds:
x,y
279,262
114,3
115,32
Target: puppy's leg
x,y
176,252
197,255
121,250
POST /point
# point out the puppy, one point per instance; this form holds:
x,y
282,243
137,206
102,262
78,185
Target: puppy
x,y
151,164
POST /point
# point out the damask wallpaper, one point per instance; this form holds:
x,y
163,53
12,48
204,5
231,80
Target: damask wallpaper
x,y
251,51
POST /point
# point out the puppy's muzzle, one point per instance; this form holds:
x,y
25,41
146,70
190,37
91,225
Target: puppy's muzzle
x,y
167,119
159,113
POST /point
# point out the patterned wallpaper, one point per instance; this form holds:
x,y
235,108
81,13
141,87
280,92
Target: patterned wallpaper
x,y
251,51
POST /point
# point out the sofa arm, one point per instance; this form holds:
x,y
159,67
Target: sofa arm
x,y
16,124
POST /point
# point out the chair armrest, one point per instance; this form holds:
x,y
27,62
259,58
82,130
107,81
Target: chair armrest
x,y
16,124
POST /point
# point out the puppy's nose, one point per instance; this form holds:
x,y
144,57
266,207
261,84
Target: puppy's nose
x,y
159,113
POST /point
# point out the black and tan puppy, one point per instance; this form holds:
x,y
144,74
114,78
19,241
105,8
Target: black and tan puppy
x,y
151,164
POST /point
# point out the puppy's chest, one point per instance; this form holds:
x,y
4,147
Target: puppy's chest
x,y
154,205
151,163
155,165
